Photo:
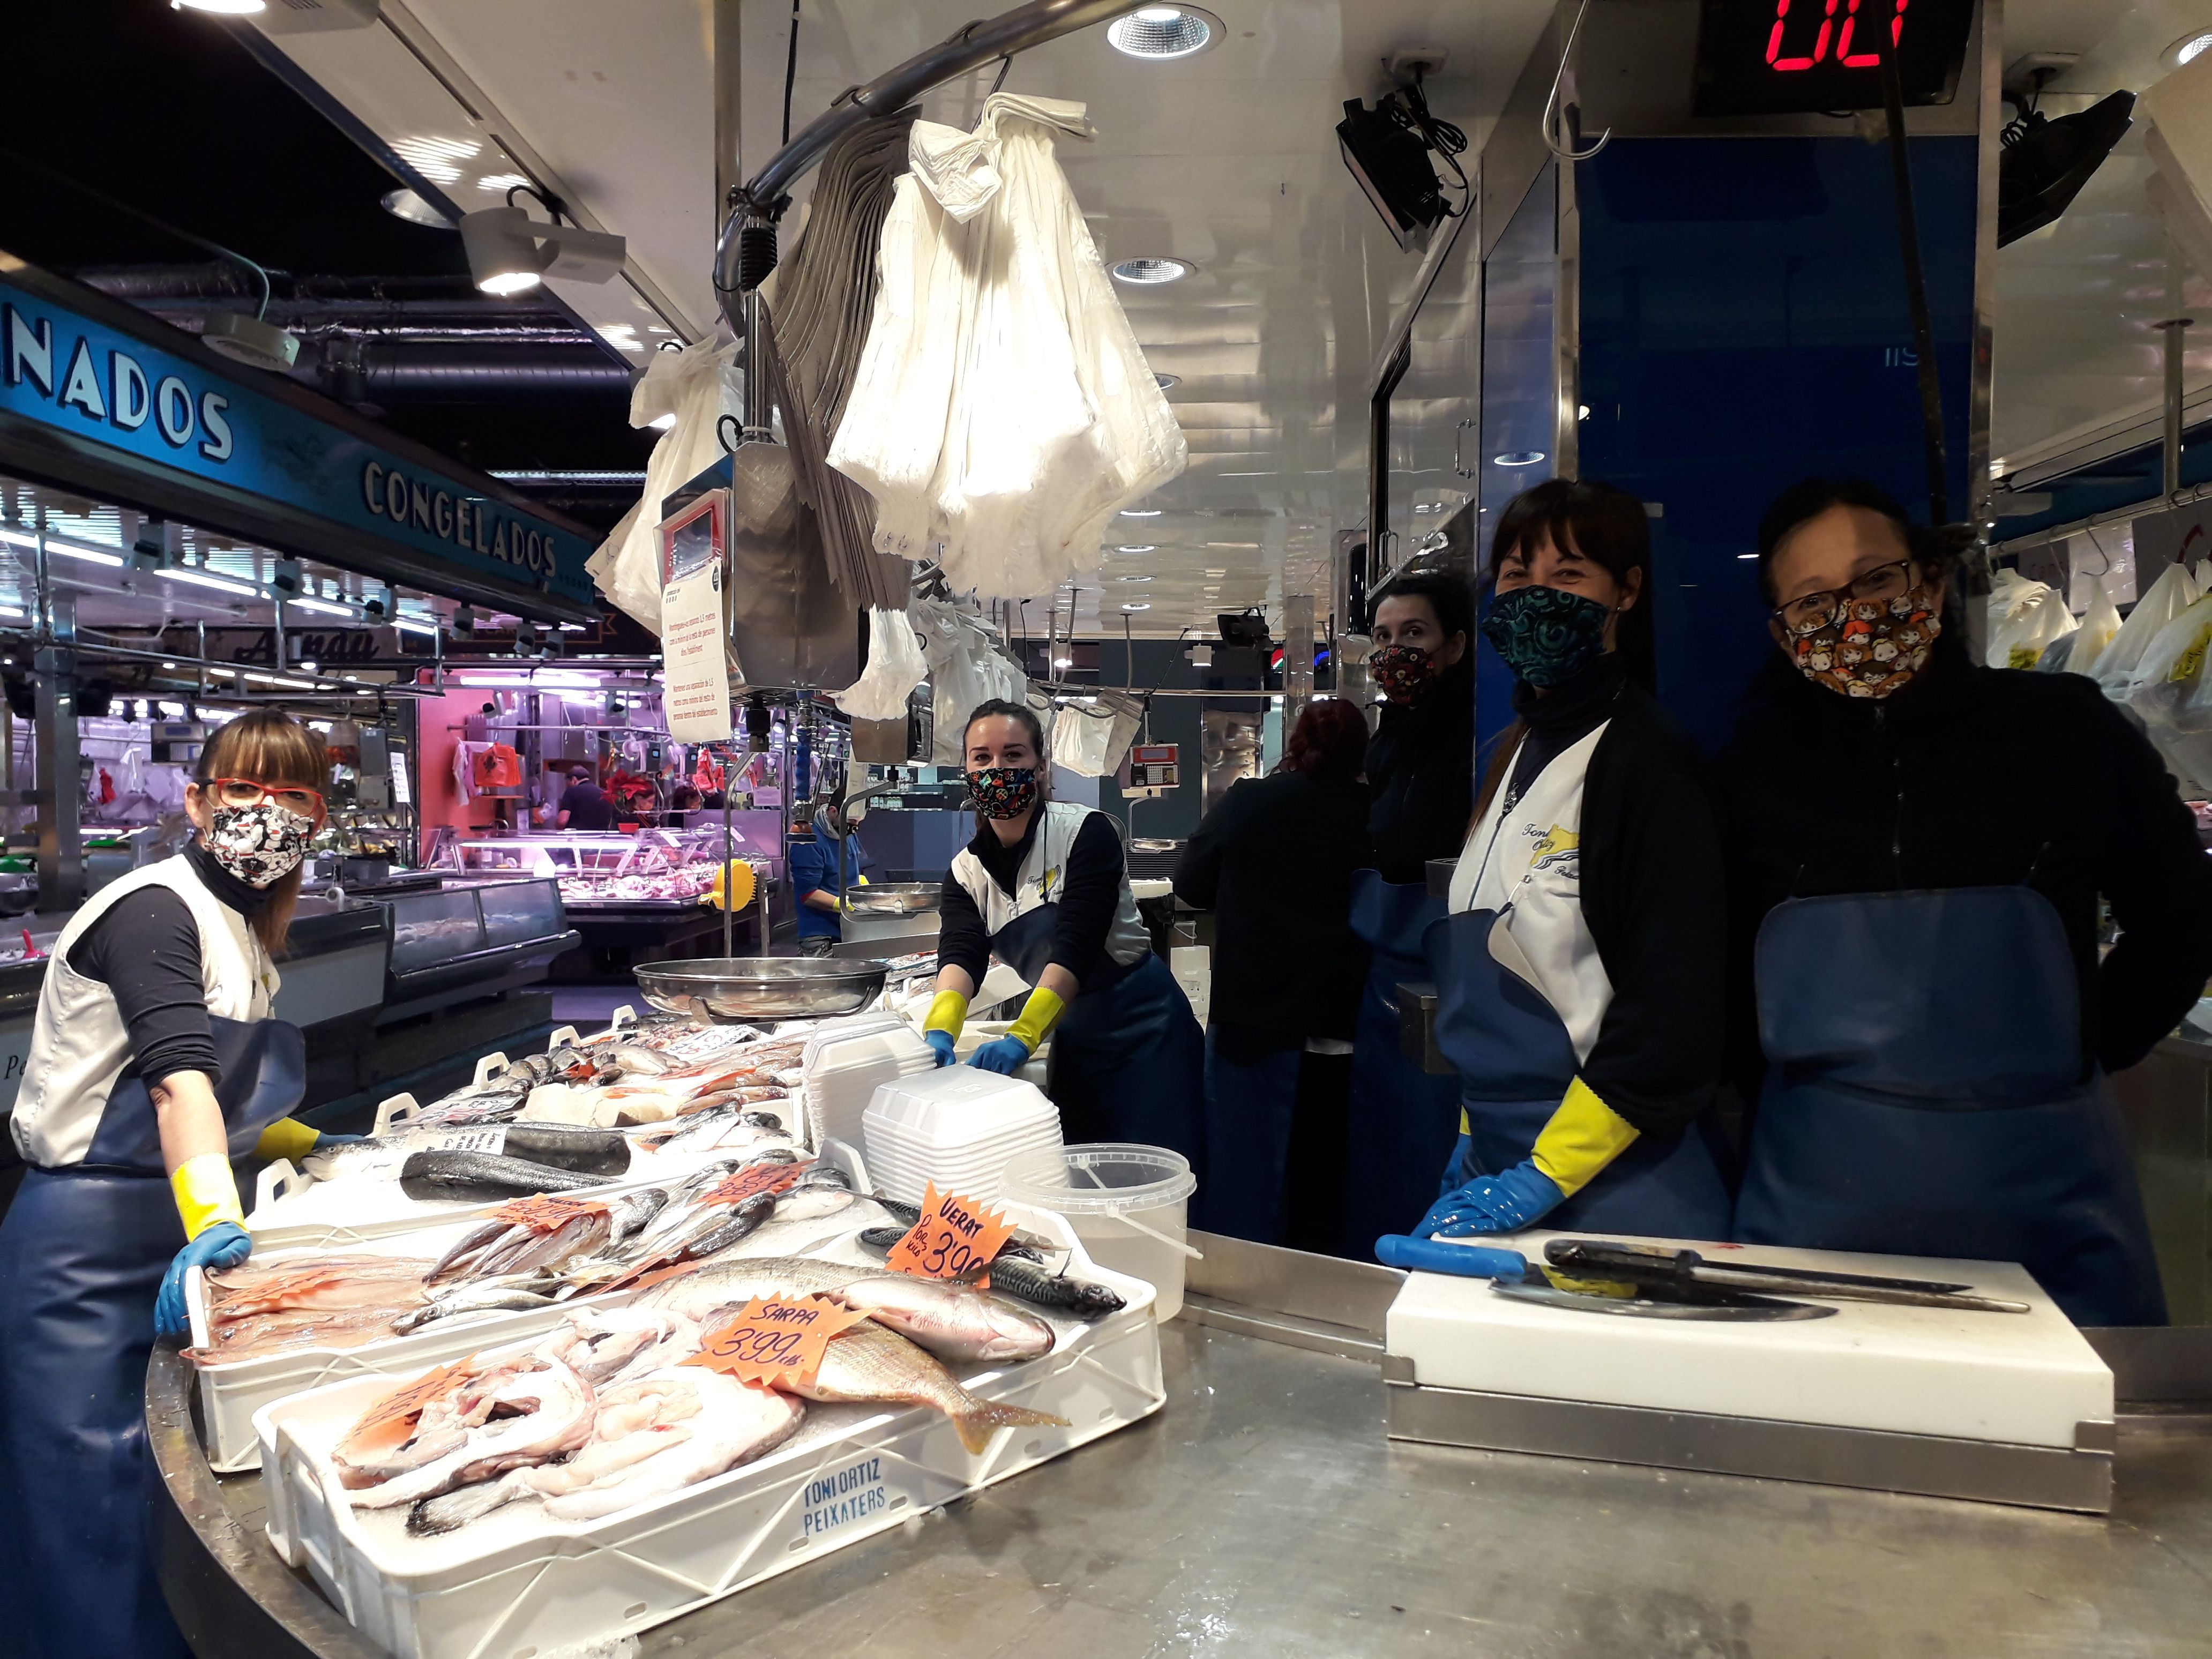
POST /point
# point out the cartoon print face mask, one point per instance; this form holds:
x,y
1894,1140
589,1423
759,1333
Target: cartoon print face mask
x,y
1869,648
1003,791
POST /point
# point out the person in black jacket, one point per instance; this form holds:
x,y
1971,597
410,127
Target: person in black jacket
x,y
1273,862
1579,972
1420,767
1919,845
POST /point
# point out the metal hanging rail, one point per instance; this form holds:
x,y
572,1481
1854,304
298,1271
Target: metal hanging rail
x,y
745,253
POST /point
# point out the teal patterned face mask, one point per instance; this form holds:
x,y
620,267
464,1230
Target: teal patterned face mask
x,y
1546,635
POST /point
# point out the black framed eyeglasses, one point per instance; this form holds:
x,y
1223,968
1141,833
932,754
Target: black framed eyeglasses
x,y
1816,610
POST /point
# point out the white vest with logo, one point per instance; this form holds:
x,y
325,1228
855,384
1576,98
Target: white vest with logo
x,y
1524,861
79,1044
1038,883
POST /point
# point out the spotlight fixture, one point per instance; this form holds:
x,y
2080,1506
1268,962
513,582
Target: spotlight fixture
x,y
2045,162
287,578
249,340
1166,382
510,252
1161,33
1149,271
464,623
408,205
1386,149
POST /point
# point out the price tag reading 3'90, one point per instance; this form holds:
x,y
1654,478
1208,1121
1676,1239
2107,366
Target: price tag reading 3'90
x,y
956,1238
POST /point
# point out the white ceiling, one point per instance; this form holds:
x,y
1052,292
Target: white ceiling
x,y
1228,159
2074,349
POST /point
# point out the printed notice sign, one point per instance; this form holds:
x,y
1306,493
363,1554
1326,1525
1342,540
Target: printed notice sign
x,y
698,694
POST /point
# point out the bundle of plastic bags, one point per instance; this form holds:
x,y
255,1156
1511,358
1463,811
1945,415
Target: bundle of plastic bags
x,y
2026,619
1002,411
895,667
2173,593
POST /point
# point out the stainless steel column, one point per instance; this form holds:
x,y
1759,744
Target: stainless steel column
x,y
61,849
2175,330
1298,660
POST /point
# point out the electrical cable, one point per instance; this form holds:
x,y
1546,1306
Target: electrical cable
x,y
1409,108
144,218
553,206
790,69
1916,284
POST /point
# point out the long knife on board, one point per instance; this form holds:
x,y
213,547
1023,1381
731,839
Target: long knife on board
x,y
1654,1264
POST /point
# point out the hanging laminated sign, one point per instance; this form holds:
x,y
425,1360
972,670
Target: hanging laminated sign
x,y
693,557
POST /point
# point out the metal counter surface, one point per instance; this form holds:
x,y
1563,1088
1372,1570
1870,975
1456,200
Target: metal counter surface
x,y
1262,1512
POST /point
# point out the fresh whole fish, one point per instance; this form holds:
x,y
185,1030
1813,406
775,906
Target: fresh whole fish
x,y
320,1281
1022,1274
289,1330
585,1151
653,1435
601,1344
481,1298
866,1362
487,1423
476,1176
952,1321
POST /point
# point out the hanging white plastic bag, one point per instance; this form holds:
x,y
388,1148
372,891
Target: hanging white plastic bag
x,y
2173,593
2038,617
2100,622
697,386
1091,738
895,667
2171,668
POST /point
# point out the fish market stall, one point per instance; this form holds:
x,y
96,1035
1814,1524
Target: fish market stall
x,y
1264,1508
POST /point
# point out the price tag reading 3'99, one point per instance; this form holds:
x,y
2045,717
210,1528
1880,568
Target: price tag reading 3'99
x,y
956,1238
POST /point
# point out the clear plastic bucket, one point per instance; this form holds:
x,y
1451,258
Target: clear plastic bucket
x,y
1127,1204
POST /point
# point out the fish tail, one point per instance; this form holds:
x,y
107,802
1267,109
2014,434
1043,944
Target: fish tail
x,y
986,1417
431,1516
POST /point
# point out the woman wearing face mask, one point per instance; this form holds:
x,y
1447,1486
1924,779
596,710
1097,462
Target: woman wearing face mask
x,y
1421,773
154,1063
1043,888
1579,973
1918,847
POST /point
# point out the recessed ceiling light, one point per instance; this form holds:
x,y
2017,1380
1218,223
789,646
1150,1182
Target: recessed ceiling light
x,y
1133,579
1137,547
408,205
222,7
2189,48
1139,605
1217,572
1063,662
1163,31
663,422
1167,382
1140,512
1519,458
1150,270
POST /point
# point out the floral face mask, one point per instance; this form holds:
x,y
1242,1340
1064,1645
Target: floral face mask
x,y
1405,672
1869,648
260,845
1003,791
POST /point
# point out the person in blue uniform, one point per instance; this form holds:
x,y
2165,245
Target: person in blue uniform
x,y
154,1063
1043,887
1273,862
833,840
1919,846
1421,772
1579,970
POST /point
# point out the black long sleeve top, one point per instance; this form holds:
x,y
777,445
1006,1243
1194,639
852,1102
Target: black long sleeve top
x,y
1274,861
1090,891
146,949
1421,768
1970,777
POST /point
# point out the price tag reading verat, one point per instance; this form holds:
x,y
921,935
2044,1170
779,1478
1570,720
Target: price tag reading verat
x,y
775,1340
956,1238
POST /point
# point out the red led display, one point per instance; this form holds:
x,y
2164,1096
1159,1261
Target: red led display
x,y
1777,57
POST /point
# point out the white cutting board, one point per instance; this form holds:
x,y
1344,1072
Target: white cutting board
x,y
2019,1379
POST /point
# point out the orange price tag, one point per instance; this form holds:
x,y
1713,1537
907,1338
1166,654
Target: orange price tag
x,y
751,1180
956,1238
543,1214
391,1420
775,1341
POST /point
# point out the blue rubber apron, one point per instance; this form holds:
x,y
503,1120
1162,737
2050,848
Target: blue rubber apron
x,y
1127,1060
1926,1095
1249,1107
1401,1120
1515,1060
83,1251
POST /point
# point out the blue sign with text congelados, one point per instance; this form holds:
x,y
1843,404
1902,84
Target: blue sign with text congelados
x,y
66,372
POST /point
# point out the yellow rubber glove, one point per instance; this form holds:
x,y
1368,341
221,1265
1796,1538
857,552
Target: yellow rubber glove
x,y
1584,1135
948,1013
206,1194
286,1138
1039,1015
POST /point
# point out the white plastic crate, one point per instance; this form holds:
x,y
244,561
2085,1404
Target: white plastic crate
x,y
230,1395
517,1581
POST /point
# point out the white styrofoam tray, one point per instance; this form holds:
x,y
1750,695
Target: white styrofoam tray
x,y
232,1393
2018,1379
516,1581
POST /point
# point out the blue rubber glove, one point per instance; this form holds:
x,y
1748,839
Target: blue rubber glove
x,y
941,1042
1005,1056
1523,1195
224,1245
1468,1260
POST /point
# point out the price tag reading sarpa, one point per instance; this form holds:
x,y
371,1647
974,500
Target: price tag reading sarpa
x,y
775,1340
956,1238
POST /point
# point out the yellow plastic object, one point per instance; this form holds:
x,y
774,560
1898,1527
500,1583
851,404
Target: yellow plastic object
x,y
205,1193
1039,1014
1584,1135
947,1013
286,1138
740,881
